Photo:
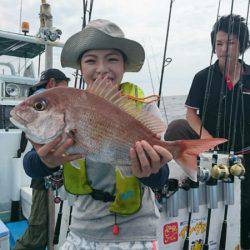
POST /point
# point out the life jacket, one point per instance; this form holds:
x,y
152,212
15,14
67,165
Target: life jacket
x,y
127,199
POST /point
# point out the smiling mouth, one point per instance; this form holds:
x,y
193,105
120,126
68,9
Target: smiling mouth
x,y
108,79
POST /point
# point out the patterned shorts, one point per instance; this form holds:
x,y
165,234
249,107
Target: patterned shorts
x,y
74,242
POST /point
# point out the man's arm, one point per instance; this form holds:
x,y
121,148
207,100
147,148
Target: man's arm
x,y
195,122
34,167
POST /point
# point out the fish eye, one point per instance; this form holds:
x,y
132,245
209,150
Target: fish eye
x,y
40,105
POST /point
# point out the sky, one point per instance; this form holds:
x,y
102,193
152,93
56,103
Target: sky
x,y
144,21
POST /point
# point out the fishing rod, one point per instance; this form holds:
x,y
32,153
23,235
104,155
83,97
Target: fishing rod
x,y
203,174
84,23
236,168
165,60
211,184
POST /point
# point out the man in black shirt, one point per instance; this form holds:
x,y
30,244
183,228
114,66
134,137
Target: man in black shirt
x,y
225,84
229,109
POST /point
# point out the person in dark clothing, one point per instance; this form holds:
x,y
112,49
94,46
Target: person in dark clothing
x,y
230,39
36,235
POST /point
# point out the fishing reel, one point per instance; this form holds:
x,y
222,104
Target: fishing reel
x,y
160,196
203,174
220,172
168,197
236,168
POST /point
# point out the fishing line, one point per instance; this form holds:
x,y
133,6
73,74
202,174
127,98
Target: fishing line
x,y
210,75
222,243
232,144
232,93
241,87
151,79
84,23
223,86
233,128
150,76
212,183
155,64
203,114
242,99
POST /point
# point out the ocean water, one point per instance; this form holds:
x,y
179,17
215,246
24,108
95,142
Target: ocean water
x,y
174,107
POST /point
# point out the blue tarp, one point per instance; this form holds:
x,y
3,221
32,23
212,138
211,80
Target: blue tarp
x,y
16,229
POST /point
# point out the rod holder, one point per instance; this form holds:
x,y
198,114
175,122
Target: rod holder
x,y
173,200
212,197
193,200
228,188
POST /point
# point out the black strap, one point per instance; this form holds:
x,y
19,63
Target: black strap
x,y
70,217
102,196
58,225
23,144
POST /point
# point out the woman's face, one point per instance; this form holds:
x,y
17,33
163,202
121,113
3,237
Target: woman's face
x,y
221,44
101,63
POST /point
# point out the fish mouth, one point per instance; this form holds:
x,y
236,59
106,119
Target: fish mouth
x,y
18,124
18,121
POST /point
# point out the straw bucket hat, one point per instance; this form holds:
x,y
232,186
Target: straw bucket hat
x,y
102,34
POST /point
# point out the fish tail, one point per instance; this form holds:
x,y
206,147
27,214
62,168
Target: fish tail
x,y
185,153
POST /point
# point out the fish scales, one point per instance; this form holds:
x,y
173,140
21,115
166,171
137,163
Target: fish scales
x,y
103,129
109,135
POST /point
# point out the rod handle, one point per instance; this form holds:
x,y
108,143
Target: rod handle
x,y
186,244
223,236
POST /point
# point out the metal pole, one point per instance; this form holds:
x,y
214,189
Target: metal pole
x,y
48,21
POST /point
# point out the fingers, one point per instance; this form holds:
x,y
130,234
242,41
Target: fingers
x,y
152,154
60,151
147,159
143,159
135,164
164,153
43,150
70,157
54,153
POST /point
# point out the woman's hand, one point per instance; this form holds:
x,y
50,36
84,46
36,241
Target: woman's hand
x,y
147,159
53,155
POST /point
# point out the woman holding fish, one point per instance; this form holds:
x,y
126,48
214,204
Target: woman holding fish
x,y
115,133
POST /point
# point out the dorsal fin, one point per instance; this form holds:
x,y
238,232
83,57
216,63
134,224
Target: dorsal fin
x,y
109,92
